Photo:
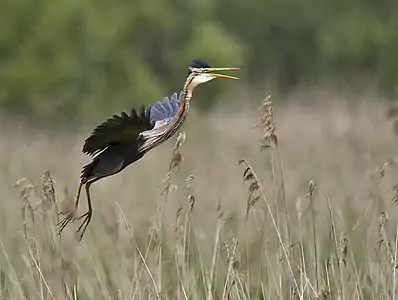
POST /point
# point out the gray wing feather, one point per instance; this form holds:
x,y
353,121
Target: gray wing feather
x,y
175,102
166,108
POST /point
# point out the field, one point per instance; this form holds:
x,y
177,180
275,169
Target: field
x,y
311,216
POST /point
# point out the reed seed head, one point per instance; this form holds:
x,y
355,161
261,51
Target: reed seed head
x,y
254,185
343,248
176,158
394,198
48,189
267,124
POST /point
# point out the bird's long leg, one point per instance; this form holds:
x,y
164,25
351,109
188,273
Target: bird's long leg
x,y
71,214
87,216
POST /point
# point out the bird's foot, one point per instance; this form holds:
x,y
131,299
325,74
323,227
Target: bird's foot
x,y
83,226
65,221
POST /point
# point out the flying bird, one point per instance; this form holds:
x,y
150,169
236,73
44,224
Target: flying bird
x,y
123,139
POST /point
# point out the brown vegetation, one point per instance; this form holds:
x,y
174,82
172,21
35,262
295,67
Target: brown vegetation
x,y
294,202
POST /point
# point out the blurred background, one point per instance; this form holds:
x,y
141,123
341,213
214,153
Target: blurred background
x,y
77,61
331,67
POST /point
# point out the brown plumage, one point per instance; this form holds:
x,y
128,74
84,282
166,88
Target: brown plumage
x,y
113,145
125,138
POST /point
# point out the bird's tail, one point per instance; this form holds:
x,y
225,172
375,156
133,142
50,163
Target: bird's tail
x,y
87,172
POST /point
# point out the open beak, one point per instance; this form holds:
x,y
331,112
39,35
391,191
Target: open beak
x,y
211,70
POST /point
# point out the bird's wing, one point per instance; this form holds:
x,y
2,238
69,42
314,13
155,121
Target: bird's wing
x,y
118,128
163,111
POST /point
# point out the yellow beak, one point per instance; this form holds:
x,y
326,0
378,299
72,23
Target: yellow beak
x,y
223,76
211,70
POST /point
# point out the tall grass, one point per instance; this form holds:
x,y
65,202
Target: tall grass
x,y
313,216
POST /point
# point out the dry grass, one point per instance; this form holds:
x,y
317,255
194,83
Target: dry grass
x,y
309,212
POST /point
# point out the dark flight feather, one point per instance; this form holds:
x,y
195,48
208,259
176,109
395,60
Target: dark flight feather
x,y
117,129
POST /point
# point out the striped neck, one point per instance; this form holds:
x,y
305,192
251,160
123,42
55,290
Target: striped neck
x,y
151,141
183,111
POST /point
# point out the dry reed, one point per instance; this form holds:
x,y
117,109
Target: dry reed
x,y
277,235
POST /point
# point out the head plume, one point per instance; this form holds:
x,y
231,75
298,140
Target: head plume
x,y
198,63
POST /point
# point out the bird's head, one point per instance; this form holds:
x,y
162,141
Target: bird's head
x,y
201,72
